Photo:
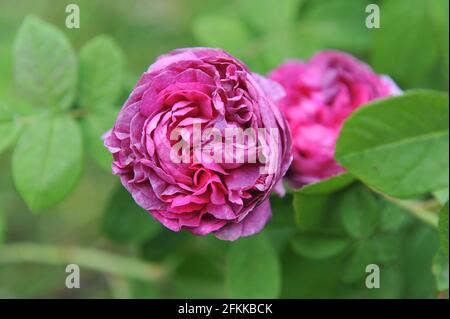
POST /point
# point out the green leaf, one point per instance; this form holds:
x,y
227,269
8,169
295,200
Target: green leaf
x,y
47,161
440,270
94,126
198,276
221,32
414,22
310,210
318,213
9,127
386,247
441,195
282,225
327,186
355,269
125,222
399,145
312,202
392,217
101,73
359,212
380,250
318,246
391,284
45,65
310,278
443,228
253,269
418,251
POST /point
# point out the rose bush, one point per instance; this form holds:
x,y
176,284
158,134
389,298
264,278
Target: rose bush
x,y
320,95
212,88
57,102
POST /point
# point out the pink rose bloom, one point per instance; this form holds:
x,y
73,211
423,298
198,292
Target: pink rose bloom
x,y
320,95
213,90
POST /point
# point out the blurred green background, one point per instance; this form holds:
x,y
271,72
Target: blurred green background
x,y
411,46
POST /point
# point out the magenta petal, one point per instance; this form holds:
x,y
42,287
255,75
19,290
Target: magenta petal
x,y
253,223
221,211
243,177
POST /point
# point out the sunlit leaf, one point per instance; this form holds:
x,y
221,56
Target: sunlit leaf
x,y
9,126
45,65
399,145
94,127
101,73
47,161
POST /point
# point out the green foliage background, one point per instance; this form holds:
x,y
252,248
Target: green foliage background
x,y
59,203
